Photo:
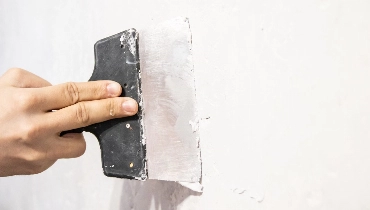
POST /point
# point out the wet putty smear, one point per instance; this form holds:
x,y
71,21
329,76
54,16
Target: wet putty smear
x,y
169,103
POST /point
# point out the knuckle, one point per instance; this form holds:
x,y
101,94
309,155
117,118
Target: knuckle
x,y
15,72
72,93
32,157
26,100
32,132
98,90
82,114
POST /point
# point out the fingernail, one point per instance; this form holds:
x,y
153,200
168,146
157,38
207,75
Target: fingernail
x,y
130,106
114,89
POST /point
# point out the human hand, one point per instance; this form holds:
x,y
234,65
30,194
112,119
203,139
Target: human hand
x,y
33,113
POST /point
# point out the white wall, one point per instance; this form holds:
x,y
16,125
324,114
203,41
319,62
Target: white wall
x,y
285,84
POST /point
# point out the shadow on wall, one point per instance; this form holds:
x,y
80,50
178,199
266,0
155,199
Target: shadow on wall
x,y
153,195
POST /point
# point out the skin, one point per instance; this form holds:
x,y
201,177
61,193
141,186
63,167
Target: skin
x,y
34,113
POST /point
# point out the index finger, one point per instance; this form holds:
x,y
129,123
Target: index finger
x,y
63,95
90,112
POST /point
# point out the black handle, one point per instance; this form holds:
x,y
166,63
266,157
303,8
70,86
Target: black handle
x,y
123,152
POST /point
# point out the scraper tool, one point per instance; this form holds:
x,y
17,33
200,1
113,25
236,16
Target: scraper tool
x,y
161,141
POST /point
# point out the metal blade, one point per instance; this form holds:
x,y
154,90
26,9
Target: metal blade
x,y
169,103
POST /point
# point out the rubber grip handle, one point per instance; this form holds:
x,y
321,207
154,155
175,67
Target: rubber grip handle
x,y
121,140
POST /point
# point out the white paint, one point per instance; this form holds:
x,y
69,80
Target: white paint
x,y
285,84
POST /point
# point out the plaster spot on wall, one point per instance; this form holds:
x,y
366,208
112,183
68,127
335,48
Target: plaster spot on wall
x,y
258,196
239,190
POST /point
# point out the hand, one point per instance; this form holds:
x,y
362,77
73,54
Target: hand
x,y
33,113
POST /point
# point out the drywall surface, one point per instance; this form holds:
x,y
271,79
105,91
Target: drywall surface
x,y
282,88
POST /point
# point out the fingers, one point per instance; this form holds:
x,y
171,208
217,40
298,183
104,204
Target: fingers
x,y
89,112
71,145
63,95
20,78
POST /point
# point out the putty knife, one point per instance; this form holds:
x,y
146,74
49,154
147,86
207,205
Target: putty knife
x,y
161,141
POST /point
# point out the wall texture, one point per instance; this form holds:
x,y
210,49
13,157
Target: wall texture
x,y
284,83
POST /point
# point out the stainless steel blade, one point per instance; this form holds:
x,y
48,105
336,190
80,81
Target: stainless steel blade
x,y
169,103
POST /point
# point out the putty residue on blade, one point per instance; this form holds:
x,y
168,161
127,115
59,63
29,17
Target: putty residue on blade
x,y
129,38
169,102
